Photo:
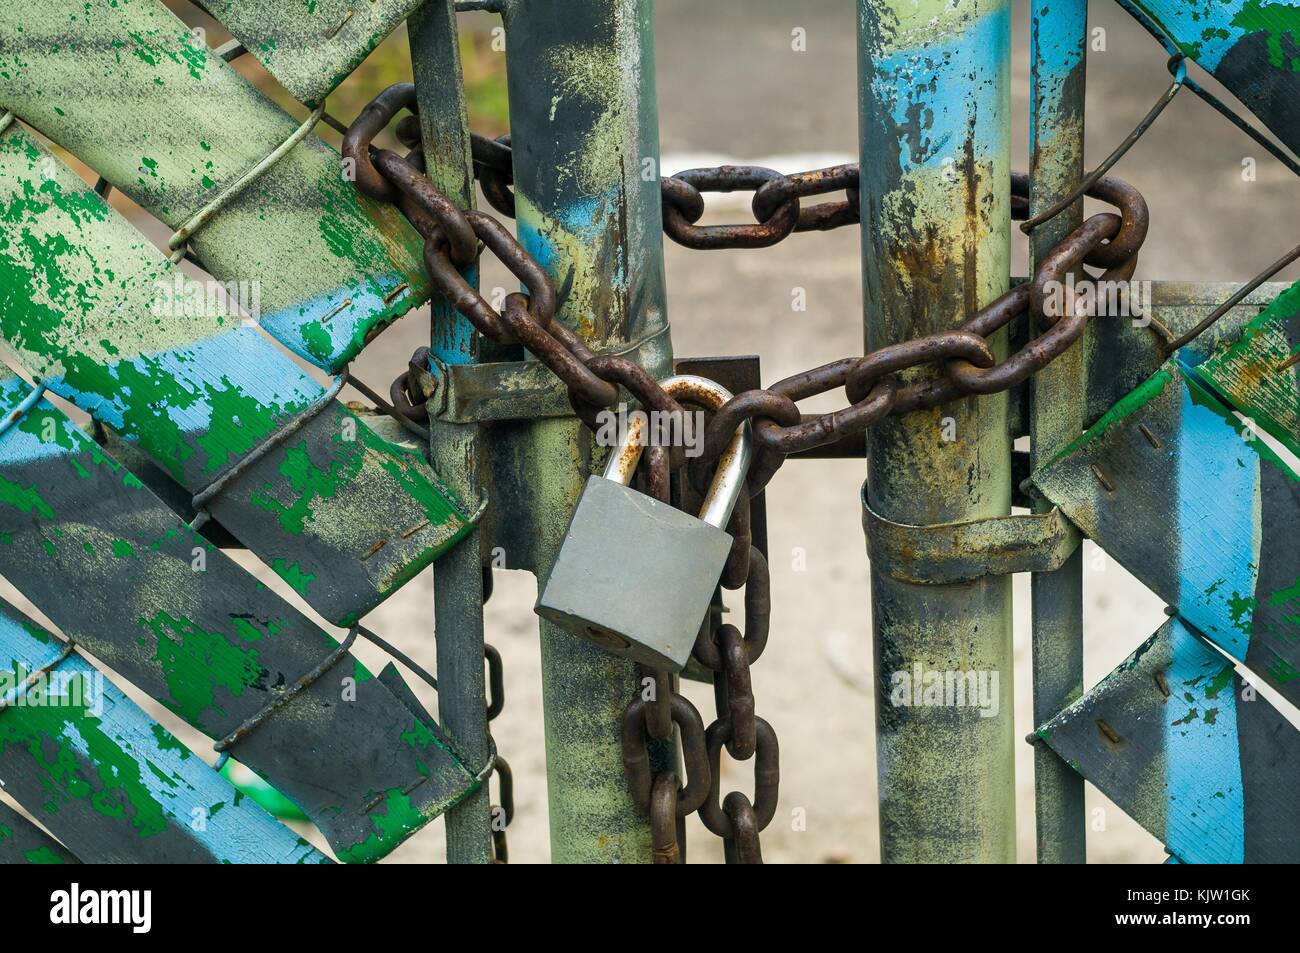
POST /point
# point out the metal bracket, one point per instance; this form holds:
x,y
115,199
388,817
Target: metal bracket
x,y
946,553
516,390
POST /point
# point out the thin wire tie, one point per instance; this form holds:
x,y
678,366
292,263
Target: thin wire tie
x,y
289,695
398,654
180,238
387,408
1238,297
208,493
19,412
12,697
1177,66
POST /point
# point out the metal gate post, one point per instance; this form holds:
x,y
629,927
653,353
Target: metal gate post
x,y
585,137
934,99
1058,51
455,447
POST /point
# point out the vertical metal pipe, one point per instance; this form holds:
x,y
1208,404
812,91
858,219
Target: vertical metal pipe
x,y
455,448
934,98
1058,52
586,148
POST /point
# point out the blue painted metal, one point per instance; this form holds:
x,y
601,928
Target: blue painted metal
x,y
108,779
1198,507
108,323
1177,739
1252,47
122,575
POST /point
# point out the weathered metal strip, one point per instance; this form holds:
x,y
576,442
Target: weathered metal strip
x,y
1121,356
946,553
521,390
1260,374
105,321
1252,47
22,842
456,448
107,778
128,89
118,573
1187,498
1058,56
312,46
1185,747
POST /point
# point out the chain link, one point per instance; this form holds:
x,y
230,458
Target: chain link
x,y
874,385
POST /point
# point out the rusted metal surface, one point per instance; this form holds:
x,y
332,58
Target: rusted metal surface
x,y
581,86
1119,360
104,776
333,267
1178,489
1181,743
180,620
935,248
943,553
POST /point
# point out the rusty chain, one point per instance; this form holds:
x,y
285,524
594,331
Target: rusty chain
x,y
873,384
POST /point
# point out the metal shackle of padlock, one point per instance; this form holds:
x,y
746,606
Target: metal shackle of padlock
x,y
634,574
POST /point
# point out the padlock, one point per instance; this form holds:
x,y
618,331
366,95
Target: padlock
x,y
636,575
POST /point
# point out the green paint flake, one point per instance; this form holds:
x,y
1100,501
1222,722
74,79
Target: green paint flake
x,y
123,550
111,782
42,855
1275,20
195,662
25,499
294,575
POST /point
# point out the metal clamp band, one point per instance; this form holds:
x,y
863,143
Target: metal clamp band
x,y
516,390
960,552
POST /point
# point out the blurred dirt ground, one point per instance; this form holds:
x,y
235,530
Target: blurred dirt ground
x,y
730,85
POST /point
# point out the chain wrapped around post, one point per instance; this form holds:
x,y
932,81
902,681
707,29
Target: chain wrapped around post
x,y
886,382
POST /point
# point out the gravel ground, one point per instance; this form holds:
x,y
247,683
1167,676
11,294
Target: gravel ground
x,y
730,85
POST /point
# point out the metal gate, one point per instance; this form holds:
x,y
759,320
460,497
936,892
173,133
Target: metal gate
x,y
1172,443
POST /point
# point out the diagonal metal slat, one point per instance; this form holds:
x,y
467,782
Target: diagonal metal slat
x,y
1178,741
1252,47
130,91
111,781
310,47
114,568
22,842
1260,374
93,310
1172,485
